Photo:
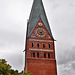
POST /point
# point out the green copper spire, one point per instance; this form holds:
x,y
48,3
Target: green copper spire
x,y
37,12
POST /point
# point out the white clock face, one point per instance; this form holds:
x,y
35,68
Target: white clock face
x,y
40,32
40,24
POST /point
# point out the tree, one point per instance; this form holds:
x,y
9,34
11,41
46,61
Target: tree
x,y
23,73
27,73
5,69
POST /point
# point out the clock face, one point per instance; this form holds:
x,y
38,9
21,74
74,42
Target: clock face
x,y
40,24
40,32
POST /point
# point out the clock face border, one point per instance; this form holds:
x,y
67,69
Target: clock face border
x,y
39,34
40,31
40,23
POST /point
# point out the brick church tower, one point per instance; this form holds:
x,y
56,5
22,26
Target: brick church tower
x,y
40,51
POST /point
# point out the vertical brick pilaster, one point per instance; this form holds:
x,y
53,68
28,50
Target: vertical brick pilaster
x,y
35,54
46,55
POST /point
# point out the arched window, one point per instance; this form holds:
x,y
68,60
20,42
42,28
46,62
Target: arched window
x,y
33,54
49,45
43,45
38,45
44,55
32,44
38,55
48,55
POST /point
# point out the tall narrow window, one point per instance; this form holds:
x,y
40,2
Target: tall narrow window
x,y
44,55
32,44
49,45
48,55
37,44
38,55
43,45
33,54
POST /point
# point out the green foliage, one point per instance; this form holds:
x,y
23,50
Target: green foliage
x,y
5,69
27,73
23,73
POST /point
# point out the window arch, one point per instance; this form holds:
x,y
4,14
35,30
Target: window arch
x,y
38,45
33,54
48,55
43,45
48,45
44,55
38,55
32,44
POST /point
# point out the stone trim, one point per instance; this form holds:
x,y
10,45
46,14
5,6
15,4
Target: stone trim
x,y
44,50
41,59
40,40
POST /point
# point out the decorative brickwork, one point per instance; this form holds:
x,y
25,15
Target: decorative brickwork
x,y
40,52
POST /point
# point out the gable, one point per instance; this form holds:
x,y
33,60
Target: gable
x,y
40,31
37,12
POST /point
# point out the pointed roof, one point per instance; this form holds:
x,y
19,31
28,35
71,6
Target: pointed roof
x,y
37,12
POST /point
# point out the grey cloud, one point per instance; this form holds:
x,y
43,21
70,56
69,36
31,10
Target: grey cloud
x,y
67,69
10,40
55,6
13,21
73,66
16,61
67,56
71,4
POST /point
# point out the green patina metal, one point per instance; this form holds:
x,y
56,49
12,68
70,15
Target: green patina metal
x,y
37,12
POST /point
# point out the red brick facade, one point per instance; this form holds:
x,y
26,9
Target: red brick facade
x,y
40,52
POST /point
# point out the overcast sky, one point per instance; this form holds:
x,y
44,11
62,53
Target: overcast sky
x,y
13,23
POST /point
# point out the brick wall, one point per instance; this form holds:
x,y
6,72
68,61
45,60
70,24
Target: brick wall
x,y
41,66
40,60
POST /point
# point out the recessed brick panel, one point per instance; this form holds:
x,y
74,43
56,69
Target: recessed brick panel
x,y
42,67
